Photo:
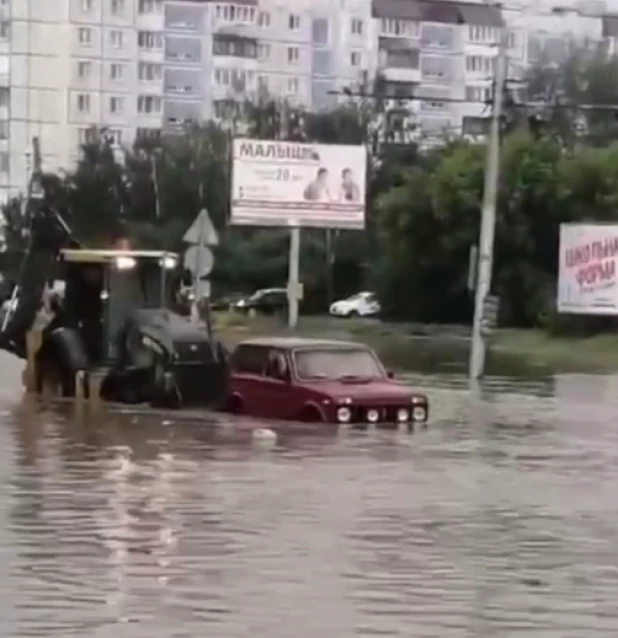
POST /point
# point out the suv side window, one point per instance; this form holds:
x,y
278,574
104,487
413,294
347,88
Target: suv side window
x,y
277,366
249,359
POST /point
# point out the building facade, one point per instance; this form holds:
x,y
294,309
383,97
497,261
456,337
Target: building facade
x,y
135,68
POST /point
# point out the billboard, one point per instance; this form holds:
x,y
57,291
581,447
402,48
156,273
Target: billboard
x,y
286,184
587,282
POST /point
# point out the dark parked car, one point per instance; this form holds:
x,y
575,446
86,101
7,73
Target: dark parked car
x,y
268,301
227,302
318,381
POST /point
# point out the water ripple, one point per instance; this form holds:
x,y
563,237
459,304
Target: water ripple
x,y
495,521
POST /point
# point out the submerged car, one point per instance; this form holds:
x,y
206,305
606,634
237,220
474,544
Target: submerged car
x,y
113,321
363,304
319,381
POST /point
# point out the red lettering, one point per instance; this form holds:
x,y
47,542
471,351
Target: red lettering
x,y
596,251
598,273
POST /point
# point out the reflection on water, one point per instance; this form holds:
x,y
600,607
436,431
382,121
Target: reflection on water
x,y
497,520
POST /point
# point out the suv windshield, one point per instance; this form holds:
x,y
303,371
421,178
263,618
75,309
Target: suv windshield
x,y
337,364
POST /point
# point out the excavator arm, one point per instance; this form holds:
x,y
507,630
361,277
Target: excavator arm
x,y
49,234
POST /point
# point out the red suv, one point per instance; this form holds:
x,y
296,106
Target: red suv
x,y
319,381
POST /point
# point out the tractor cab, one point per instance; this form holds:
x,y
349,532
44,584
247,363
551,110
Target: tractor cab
x,y
103,288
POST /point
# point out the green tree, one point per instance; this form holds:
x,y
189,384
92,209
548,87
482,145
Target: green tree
x,y
578,96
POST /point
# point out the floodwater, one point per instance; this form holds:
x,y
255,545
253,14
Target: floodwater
x,y
498,520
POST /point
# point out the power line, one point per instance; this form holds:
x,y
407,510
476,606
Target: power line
x,y
510,105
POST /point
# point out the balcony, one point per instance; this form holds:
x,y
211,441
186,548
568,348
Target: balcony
x,y
184,19
234,46
182,57
398,61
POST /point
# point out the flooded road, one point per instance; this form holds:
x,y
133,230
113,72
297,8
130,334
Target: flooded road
x,y
499,520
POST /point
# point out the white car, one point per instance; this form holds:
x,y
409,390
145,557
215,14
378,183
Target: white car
x,y
363,304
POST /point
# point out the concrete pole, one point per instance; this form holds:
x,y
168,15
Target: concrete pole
x,y
293,276
488,216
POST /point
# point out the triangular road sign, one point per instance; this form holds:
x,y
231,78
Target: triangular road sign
x,y
202,231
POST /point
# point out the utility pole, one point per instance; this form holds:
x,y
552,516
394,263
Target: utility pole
x,y
488,215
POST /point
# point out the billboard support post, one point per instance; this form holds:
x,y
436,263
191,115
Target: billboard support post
x,y
293,277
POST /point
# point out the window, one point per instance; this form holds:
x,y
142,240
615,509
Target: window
x,y
432,105
321,62
222,77
148,104
234,13
320,31
149,72
356,26
249,359
149,6
116,39
262,83
264,19
475,125
116,71
480,64
87,135
483,33
355,58
84,69
292,85
327,363
4,162
263,52
236,78
478,93
116,104
83,103
85,36
114,135
234,47
511,40
86,5
440,37
150,134
4,97
149,40
294,22
293,54
434,68
117,7
4,130
401,58
4,30
390,26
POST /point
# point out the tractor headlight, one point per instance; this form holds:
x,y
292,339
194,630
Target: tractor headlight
x,y
169,262
125,263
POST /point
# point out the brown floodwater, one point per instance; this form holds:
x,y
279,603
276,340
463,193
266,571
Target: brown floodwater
x,y
497,520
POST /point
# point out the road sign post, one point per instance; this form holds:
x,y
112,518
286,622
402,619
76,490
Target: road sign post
x,y
199,258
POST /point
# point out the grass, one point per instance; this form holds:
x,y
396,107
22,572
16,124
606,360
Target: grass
x,y
408,346
598,353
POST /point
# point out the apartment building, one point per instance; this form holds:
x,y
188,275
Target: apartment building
x,y
139,67
73,65
443,52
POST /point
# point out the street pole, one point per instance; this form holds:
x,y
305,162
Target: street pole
x,y
488,215
294,256
293,277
